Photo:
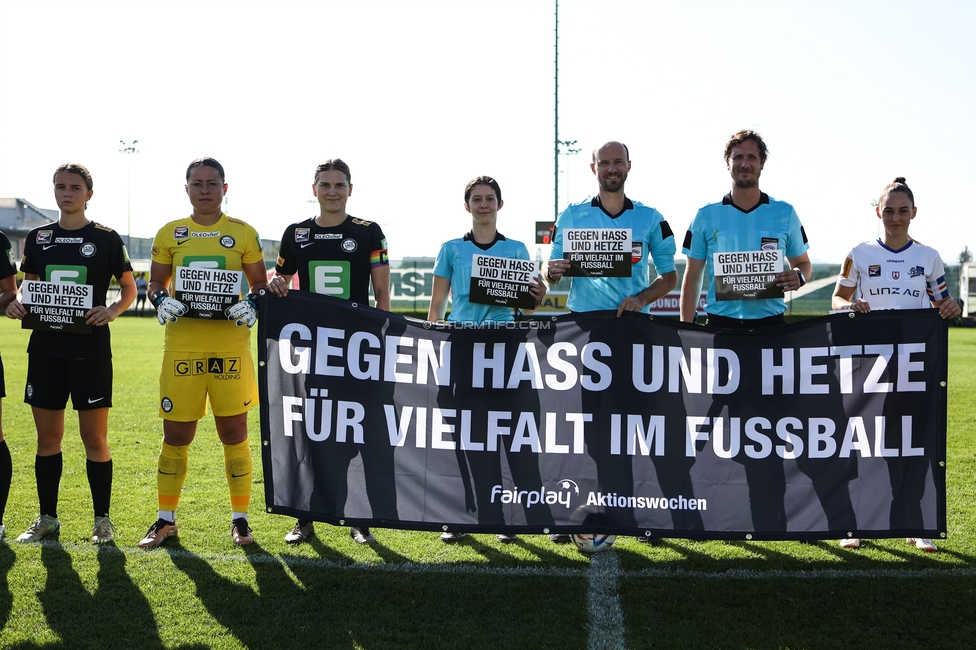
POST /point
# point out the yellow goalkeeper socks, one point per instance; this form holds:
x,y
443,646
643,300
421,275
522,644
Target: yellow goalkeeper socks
x,y
237,467
171,474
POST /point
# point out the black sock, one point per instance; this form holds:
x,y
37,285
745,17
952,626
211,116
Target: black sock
x,y
6,472
47,472
100,482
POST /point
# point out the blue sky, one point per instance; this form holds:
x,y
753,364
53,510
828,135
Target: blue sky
x,y
420,96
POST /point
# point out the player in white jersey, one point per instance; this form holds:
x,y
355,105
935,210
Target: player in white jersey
x,y
894,272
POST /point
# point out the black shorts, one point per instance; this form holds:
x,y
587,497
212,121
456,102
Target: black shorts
x,y
50,380
3,389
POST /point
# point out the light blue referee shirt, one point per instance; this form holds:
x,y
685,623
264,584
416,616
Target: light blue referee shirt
x,y
650,233
454,263
725,228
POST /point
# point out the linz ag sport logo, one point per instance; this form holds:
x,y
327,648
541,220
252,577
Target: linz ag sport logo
x,y
219,367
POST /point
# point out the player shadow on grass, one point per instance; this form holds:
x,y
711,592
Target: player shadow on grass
x,y
7,559
334,554
277,612
538,545
117,611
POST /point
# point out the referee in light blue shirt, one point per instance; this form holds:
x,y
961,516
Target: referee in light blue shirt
x,y
611,208
745,220
651,237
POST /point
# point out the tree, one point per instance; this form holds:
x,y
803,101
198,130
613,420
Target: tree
x,y
965,256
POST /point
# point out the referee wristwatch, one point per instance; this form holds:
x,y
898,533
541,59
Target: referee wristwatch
x,y
799,275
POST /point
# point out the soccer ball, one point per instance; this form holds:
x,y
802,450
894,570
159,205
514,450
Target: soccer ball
x,y
593,542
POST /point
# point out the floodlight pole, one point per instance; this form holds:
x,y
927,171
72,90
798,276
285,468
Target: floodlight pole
x,y
128,148
555,202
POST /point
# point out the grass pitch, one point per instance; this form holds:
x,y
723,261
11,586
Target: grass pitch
x,y
411,591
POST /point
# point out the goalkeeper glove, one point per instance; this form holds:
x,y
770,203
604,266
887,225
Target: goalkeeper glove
x,y
167,308
244,312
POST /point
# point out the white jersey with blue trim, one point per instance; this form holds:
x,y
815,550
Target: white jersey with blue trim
x,y
454,262
725,228
909,278
650,234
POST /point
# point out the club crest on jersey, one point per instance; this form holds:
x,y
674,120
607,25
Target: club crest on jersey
x,y
895,275
874,271
349,245
302,234
916,271
636,252
181,232
227,241
87,249
43,237
769,244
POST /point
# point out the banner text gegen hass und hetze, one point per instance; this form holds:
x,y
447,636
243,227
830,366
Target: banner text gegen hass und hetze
x,y
830,428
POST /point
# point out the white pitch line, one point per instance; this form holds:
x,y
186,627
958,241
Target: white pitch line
x,y
603,604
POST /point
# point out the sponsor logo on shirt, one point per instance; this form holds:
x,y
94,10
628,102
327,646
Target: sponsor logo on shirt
x,y
874,271
769,244
181,232
636,252
301,234
205,235
68,240
328,235
44,236
222,368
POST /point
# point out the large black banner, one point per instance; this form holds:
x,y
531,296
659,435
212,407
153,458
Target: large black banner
x,y
830,428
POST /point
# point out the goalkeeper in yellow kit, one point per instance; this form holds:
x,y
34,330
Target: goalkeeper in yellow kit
x,y
198,264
